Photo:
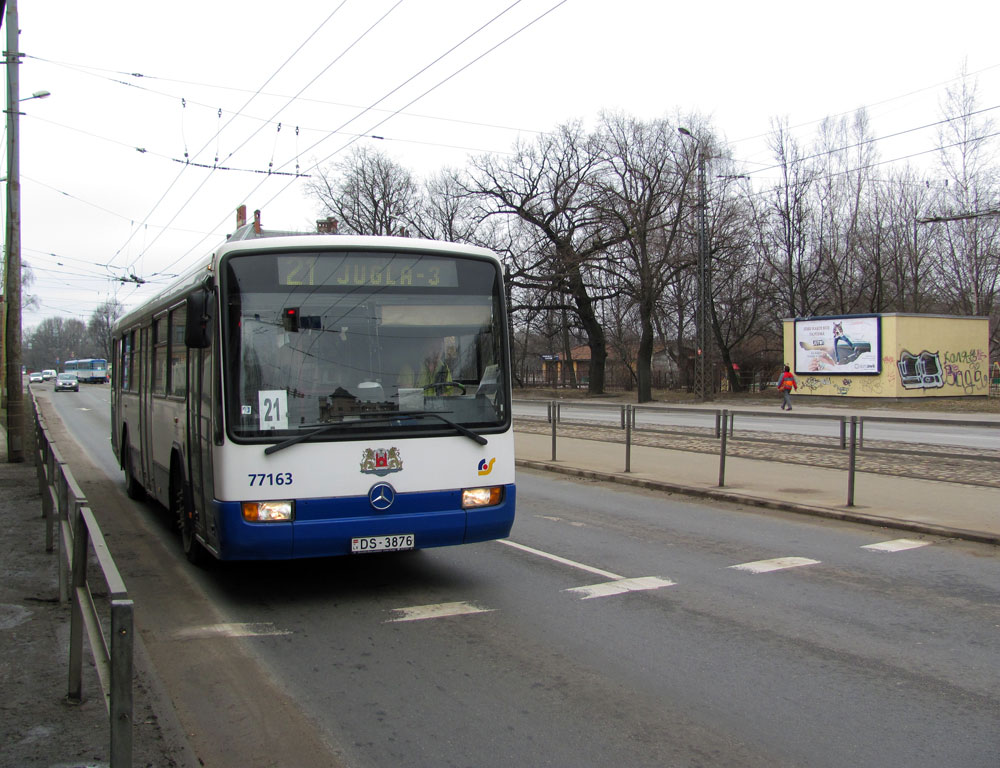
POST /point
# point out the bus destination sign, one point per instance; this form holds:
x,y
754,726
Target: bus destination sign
x,y
366,271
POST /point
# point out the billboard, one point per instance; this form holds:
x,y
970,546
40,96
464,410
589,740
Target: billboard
x,y
849,344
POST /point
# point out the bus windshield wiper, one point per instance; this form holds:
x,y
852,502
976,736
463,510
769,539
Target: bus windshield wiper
x,y
461,429
382,419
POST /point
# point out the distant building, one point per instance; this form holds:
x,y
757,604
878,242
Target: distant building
x,y
889,355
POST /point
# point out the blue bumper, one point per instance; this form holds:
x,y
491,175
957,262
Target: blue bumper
x,y
325,527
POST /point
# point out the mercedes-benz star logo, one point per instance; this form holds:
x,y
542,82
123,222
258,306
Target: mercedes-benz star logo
x,y
381,496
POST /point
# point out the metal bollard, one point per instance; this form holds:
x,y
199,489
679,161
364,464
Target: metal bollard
x,y
722,451
851,461
553,408
628,440
120,706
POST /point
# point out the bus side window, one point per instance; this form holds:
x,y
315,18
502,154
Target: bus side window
x,y
159,342
177,375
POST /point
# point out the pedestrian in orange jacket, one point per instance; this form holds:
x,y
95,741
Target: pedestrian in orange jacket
x,y
785,385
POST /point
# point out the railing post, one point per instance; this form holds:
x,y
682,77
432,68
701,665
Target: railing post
x,y
553,407
81,543
48,509
843,432
628,439
861,432
120,709
624,407
851,460
722,449
718,419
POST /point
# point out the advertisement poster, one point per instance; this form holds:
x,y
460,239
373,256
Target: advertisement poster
x,y
838,345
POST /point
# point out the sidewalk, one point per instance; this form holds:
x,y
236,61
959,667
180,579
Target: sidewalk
x,y
907,504
39,727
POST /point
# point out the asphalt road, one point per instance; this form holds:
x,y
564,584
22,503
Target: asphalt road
x,y
614,628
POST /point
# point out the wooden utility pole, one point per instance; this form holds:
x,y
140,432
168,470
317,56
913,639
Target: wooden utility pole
x,y
12,262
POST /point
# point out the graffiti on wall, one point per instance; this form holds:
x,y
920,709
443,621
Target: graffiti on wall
x,y
921,371
967,370
963,369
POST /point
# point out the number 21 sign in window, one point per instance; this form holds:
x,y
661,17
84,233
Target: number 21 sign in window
x,y
273,409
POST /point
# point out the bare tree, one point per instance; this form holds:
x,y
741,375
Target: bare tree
x,y
99,327
642,181
546,186
907,199
783,227
844,158
969,268
368,193
55,341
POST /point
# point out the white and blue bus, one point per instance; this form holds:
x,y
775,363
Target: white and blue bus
x,y
315,395
91,370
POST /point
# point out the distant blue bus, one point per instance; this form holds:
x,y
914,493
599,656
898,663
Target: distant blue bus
x,y
92,370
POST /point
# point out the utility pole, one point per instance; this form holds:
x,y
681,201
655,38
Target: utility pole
x,y
703,313
12,262
703,378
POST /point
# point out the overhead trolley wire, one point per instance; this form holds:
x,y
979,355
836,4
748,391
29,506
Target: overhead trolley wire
x,y
233,117
390,93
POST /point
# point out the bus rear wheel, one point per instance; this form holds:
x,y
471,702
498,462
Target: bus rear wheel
x,y
184,511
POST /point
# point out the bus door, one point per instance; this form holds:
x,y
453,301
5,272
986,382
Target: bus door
x,y
199,439
145,389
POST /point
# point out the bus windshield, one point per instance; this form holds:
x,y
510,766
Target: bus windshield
x,y
361,341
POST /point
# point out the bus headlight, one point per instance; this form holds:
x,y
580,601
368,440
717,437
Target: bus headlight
x,y
267,511
482,497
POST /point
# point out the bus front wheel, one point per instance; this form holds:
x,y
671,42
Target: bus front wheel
x,y
183,509
132,487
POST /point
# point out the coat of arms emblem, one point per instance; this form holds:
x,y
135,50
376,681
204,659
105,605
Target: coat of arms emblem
x,y
381,461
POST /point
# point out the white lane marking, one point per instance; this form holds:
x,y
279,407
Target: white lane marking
x,y
896,545
621,586
777,564
436,611
258,629
562,560
574,523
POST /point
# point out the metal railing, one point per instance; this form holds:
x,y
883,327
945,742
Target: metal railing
x,y
65,509
720,424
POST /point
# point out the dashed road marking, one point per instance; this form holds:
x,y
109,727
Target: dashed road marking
x,y
256,629
776,564
621,586
435,611
896,545
553,519
561,560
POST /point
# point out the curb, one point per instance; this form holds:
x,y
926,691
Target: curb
x,y
833,513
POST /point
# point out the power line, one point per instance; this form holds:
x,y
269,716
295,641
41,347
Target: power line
x,y
246,104
394,90
309,100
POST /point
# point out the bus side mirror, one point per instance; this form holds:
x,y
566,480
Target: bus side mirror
x,y
198,320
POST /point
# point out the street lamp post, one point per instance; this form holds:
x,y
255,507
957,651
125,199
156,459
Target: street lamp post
x,y
12,262
702,385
